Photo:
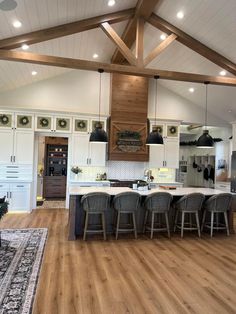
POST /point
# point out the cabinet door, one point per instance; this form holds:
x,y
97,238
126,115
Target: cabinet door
x,y
80,150
97,154
6,146
156,156
23,147
4,188
19,197
171,153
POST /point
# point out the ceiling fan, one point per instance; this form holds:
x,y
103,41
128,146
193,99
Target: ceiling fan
x,y
8,5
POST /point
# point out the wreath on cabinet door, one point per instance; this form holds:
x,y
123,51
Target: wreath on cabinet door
x,y
4,119
173,129
157,128
62,123
44,122
24,120
81,124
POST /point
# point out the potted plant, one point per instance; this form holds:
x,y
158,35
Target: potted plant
x,y
76,170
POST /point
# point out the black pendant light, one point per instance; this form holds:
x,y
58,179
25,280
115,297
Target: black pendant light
x,y
205,140
99,135
155,138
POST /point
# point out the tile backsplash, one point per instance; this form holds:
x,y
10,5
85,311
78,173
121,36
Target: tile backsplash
x,y
126,170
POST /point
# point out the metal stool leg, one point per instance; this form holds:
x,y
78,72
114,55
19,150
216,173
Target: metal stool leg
x,y
182,224
145,221
85,225
134,223
104,226
176,219
212,223
152,224
226,223
198,225
167,224
117,224
203,219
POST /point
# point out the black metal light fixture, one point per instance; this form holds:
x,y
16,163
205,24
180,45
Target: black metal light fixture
x,y
155,138
99,135
205,140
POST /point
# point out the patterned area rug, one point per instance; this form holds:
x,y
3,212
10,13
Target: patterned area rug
x,y
20,260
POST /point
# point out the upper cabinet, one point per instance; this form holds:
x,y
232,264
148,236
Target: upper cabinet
x,y
19,121
87,125
58,124
166,129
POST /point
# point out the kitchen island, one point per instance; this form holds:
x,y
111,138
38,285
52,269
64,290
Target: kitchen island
x,y
76,213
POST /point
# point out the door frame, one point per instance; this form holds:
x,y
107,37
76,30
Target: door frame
x,y
35,165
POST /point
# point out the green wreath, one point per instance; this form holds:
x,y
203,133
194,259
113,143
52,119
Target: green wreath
x,y
62,123
4,119
81,124
44,122
24,120
172,129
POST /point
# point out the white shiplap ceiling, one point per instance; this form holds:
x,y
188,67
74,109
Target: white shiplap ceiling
x,y
213,22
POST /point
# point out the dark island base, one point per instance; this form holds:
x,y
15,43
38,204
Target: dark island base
x,y
77,217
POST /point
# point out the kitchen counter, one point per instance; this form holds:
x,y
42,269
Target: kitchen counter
x,y
76,213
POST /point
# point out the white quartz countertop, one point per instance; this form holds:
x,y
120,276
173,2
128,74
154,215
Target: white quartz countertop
x,y
115,190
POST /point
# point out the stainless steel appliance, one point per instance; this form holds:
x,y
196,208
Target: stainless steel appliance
x,y
233,172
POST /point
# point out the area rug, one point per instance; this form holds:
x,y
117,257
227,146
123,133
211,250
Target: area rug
x,y
20,260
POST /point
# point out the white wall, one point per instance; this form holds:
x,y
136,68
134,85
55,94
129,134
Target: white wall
x,y
173,106
77,91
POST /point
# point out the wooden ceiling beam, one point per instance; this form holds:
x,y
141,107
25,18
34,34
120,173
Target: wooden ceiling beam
x,y
69,63
65,29
126,52
144,8
156,51
139,41
192,43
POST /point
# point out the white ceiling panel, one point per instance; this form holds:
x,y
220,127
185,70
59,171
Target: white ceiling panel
x,y
213,22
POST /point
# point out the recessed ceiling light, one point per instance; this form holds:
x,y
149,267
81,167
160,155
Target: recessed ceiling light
x,y
17,24
34,73
111,3
223,72
180,14
95,56
229,111
191,89
25,47
163,36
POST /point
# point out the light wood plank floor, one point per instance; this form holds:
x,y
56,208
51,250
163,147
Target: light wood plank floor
x,y
187,275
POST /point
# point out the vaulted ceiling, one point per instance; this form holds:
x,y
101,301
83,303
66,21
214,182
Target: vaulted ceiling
x,y
212,22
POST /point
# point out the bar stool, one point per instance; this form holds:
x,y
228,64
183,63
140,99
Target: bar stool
x,y
126,203
188,204
217,204
95,203
157,203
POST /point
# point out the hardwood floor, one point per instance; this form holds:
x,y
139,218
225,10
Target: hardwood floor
x,y
189,275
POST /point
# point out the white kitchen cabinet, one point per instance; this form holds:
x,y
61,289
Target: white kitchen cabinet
x,y
6,145
17,195
53,124
166,155
85,153
17,147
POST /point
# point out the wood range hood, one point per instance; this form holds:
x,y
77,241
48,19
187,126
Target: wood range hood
x,y
128,122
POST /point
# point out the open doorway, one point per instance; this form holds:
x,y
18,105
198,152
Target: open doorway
x,y
52,171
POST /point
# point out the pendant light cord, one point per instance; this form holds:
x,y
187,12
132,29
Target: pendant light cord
x,y
206,83
100,92
156,77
